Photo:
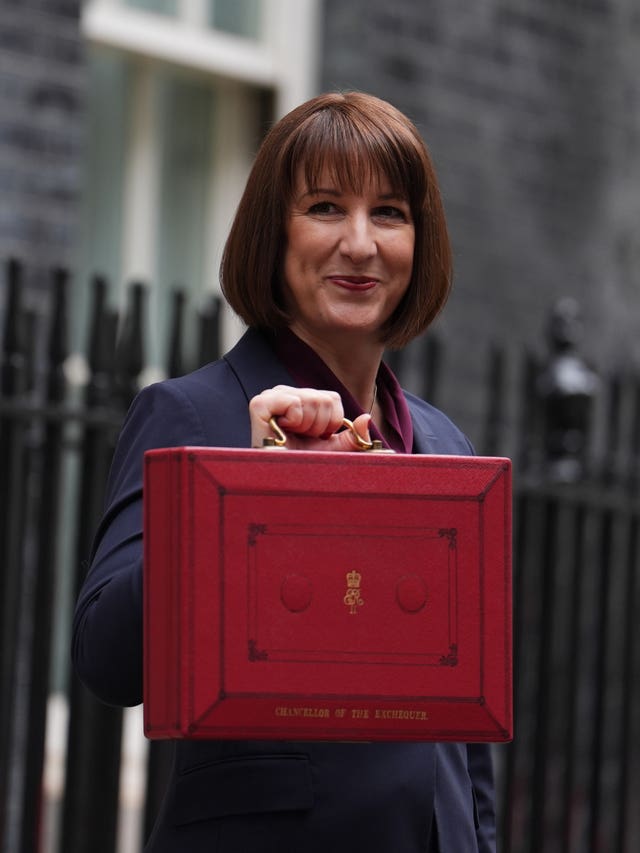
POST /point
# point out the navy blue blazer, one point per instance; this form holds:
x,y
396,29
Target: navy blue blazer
x,y
265,796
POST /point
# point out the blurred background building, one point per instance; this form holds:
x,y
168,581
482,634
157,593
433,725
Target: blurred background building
x,y
127,128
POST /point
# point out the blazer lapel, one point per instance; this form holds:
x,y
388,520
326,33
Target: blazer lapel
x,y
255,364
256,367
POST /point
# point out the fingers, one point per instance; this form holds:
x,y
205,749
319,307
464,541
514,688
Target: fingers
x,y
311,419
301,412
346,441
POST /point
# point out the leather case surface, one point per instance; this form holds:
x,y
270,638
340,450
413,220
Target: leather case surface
x,y
337,596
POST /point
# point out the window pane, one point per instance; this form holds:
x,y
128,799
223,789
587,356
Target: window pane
x,y
240,17
163,7
102,216
186,129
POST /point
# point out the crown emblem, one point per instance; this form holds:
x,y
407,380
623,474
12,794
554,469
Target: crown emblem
x,y
353,579
352,598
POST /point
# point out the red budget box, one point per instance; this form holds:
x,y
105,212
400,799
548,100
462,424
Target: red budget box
x,y
326,596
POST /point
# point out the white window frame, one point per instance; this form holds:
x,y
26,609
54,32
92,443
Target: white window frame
x,y
283,60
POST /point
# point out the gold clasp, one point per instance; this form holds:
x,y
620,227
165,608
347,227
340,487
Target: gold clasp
x,y
362,443
279,439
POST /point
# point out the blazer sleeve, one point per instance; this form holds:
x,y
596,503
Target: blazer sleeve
x,y
106,643
480,765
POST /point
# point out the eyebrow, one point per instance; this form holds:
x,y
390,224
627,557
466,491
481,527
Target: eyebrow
x,y
392,196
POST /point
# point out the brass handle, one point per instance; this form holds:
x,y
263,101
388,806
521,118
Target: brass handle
x,y
280,439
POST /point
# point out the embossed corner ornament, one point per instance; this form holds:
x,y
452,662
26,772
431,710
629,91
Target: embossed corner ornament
x,y
352,598
255,653
452,658
254,531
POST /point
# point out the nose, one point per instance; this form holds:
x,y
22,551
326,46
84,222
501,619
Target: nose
x,y
357,240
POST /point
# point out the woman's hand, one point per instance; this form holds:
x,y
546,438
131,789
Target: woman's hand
x,y
310,419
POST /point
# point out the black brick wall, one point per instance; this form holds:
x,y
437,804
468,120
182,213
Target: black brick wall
x,y
42,103
531,109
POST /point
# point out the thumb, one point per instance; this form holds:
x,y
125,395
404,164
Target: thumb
x,y
346,441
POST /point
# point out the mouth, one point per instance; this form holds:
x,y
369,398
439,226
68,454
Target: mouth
x,y
354,282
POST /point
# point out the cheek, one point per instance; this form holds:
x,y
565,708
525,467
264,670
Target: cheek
x,y
291,263
296,249
293,279
285,266
404,257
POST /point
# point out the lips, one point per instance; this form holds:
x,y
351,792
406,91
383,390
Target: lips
x,y
354,282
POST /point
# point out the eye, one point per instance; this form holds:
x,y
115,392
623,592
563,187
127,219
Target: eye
x,y
323,208
389,211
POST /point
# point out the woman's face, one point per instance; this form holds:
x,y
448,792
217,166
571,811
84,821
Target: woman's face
x,y
348,257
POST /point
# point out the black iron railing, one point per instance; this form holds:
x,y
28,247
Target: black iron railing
x,y
566,783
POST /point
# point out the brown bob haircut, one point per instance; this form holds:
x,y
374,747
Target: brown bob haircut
x,y
358,137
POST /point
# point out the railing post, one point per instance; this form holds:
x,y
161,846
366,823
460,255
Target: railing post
x,y
627,765
175,359
496,401
47,532
90,811
101,347
575,533
528,454
13,495
209,331
633,476
541,739
130,345
515,752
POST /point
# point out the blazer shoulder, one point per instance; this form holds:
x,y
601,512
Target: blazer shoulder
x,y
215,378
246,370
209,406
434,431
205,407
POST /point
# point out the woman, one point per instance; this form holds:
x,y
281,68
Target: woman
x,y
339,249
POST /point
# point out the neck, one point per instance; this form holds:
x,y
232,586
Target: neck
x,y
356,366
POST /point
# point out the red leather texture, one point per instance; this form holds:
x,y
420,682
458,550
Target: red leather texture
x,y
335,596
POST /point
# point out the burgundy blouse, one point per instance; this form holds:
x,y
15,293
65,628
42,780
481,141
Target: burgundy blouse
x,y
308,370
